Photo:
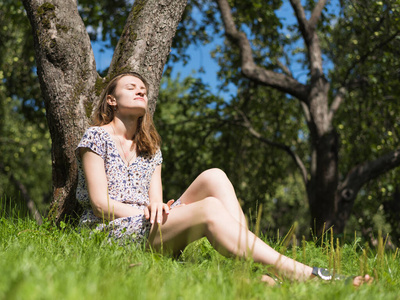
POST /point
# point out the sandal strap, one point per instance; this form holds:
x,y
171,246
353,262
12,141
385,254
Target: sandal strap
x,y
326,274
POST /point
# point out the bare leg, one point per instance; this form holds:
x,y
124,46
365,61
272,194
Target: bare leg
x,y
215,183
214,212
211,219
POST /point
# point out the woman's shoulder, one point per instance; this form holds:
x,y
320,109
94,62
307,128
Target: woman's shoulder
x,y
157,157
97,131
95,138
158,152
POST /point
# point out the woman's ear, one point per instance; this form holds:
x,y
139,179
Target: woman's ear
x,y
111,100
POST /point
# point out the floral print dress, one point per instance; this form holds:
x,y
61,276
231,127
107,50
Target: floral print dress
x,y
128,184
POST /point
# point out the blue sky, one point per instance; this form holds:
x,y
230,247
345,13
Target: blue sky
x,y
200,58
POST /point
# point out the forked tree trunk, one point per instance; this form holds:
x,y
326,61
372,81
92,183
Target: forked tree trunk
x,y
69,80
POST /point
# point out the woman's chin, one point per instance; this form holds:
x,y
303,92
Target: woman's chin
x,y
138,111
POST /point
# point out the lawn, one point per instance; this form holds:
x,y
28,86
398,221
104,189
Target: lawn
x,y
47,262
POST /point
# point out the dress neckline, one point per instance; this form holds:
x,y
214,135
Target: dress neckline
x,y
116,149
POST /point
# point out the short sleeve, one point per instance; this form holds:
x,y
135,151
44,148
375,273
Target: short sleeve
x,y
94,140
158,159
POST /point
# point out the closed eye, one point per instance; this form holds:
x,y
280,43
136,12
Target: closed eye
x,y
132,86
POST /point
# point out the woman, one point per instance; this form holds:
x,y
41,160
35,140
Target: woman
x,y
119,162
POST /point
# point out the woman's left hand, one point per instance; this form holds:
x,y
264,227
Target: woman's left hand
x,y
155,211
170,202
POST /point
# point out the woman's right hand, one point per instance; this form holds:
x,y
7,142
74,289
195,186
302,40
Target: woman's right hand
x,y
155,212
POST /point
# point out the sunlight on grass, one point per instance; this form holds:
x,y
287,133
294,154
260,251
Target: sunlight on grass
x,y
44,262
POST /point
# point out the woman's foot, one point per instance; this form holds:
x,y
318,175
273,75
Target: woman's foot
x,y
357,281
268,280
326,274
360,280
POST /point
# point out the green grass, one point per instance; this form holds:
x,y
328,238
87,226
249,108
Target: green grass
x,y
44,262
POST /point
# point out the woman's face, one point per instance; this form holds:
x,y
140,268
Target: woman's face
x,y
130,96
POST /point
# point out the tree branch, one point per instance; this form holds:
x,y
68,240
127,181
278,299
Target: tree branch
x,y
316,14
301,18
307,28
247,124
337,101
266,77
308,31
367,171
284,68
306,110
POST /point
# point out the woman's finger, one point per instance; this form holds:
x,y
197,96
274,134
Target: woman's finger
x,y
170,202
166,208
146,213
159,213
153,213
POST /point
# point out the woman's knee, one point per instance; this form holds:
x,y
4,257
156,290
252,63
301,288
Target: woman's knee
x,y
213,176
212,209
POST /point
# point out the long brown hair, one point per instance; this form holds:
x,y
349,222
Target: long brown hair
x,y
146,137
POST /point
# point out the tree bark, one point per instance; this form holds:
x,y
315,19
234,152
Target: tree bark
x,y
146,41
67,75
70,83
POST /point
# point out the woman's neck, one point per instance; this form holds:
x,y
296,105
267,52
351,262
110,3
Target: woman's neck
x,y
125,128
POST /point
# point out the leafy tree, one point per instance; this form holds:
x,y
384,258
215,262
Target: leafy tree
x,y
24,141
347,53
25,163
368,61
199,132
344,55
18,73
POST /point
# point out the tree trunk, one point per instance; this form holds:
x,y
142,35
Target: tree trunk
x,y
70,83
321,188
323,179
67,75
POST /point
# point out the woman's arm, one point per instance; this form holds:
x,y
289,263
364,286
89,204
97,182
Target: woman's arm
x,y
156,207
96,181
155,192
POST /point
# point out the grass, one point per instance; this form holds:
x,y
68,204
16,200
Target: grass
x,y
45,262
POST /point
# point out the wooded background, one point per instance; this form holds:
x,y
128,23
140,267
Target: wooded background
x,y
311,131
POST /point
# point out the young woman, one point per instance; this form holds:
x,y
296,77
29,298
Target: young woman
x,y
119,163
